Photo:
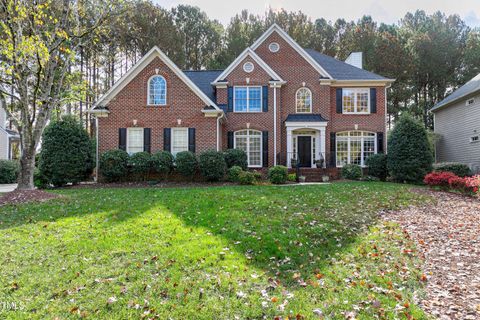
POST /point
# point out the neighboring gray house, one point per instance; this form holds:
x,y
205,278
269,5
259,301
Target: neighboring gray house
x,y
9,139
457,124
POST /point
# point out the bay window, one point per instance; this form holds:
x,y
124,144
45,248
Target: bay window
x,y
247,99
354,147
250,141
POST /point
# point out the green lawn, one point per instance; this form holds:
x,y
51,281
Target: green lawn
x,y
210,253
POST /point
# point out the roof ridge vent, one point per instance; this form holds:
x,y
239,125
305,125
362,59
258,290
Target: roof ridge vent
x,y
355,59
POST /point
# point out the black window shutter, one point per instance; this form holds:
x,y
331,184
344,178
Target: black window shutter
x,y
265,99
373,100
380,142
191,140
230,99
230,140
167,137
265,148
122,139
147,133
339,100
333,149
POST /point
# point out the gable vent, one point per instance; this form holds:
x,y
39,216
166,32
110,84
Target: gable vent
x,y
248,67
273,47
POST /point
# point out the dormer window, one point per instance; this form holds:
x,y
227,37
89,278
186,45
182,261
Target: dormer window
x,y
157,91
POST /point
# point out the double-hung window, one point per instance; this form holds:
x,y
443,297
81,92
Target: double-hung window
x,y
250,141
134,140
247,99
356,100
354,147
179,140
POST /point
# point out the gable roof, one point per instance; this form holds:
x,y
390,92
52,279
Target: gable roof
x,y
203,80
139,66
276,28
248,53
467,89
340,70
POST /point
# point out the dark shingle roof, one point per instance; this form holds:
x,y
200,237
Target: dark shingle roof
x,y
203,80
341,70
468,88
305,118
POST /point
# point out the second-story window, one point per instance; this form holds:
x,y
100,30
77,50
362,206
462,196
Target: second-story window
x,y
356,100
247,99
157,91
304,100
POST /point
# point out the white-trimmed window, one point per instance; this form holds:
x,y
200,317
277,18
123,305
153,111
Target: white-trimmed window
x,y
134,140
356,100
250,141
157,91
354,147
247,99
304,100
179,140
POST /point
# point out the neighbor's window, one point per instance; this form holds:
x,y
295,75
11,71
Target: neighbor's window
x,y
134,140
247,99
179,140
354,147
356,100
157,91
250,141
304,100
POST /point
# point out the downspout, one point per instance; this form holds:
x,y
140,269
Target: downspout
x,y
386,118
97,157
218,130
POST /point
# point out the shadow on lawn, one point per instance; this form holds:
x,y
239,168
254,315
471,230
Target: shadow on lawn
x,y
278,229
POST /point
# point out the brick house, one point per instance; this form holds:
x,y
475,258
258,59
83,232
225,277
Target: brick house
x,y
279,102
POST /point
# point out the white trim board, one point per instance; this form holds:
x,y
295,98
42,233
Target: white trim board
x,y
247,53
139,66
276,28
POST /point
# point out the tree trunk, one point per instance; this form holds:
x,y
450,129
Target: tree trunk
x,y
27,166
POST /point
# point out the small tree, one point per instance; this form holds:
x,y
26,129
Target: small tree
x,y
409,154
67,152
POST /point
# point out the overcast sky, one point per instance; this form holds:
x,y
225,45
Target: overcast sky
x,y
388,11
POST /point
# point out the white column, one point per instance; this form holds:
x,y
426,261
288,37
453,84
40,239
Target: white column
x,y
323,142
275,125
289,146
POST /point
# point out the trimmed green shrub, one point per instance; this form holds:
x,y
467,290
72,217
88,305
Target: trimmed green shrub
x,y
409,155
459,169
233,173
186,163
114,165
292,177
162,162
67,154
235,157
278,174
351,172
246,178
39,181
258,175
212,165
140,164
377,166
8,171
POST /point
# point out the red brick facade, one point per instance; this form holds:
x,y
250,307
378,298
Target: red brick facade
x,y
185,106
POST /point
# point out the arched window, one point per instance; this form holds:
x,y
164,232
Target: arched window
x,y
250,141
304,100
354,147
157,91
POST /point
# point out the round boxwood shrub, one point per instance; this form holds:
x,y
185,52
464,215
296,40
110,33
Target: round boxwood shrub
x,y
67,152
246,178
278,174
352,172
8,171
162,162
236,157
377,166
459,169
233,173
186,163
212,165
140,164
114,165
409,154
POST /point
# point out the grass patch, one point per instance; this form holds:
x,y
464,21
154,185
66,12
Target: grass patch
x,y
203,253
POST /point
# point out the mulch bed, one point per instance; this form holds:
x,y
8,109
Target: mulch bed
x,y
22,196
447,234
